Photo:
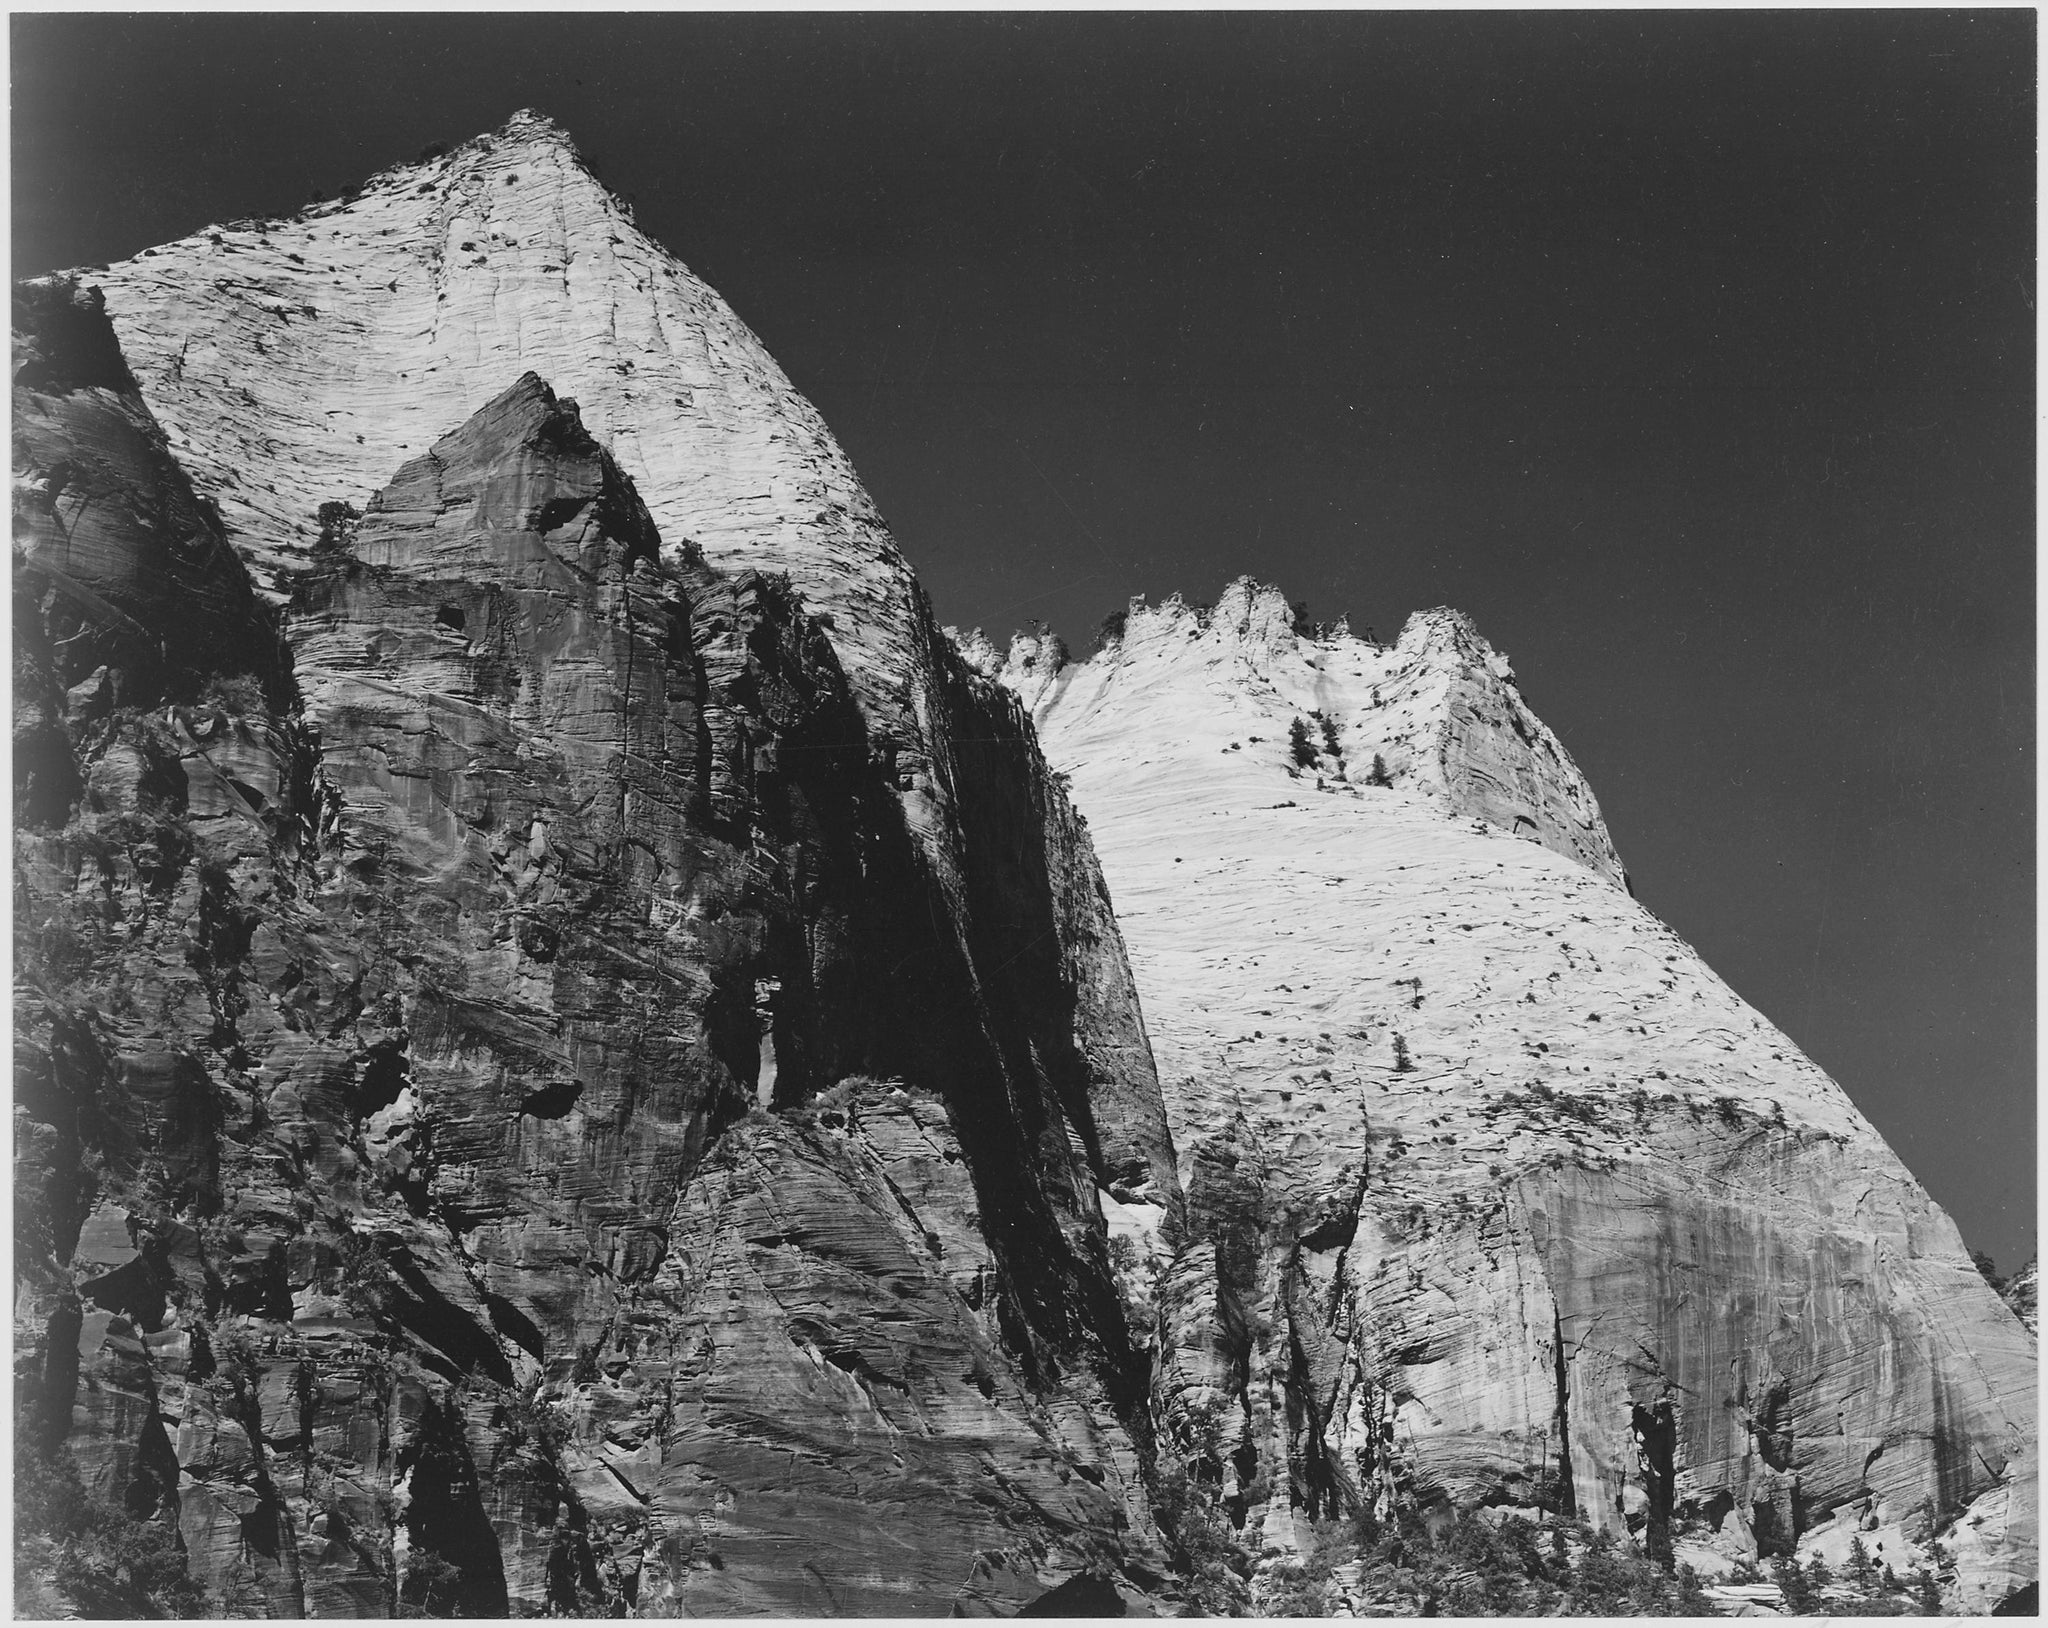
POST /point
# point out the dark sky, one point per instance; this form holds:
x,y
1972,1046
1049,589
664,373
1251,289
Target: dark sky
x,y
1692,354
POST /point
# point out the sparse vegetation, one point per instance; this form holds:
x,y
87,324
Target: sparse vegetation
x,y
433,1587
1474,1564
1302,747
338,524
1377,775
76,1555
1128,1272
239,695
1213,1564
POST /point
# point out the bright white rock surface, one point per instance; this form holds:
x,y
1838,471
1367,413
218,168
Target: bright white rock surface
x,y
299,361
1602,1185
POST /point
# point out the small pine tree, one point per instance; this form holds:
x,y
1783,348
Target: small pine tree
x,y
1377,775
1693,1600
1304,749
1330,737
1403,1063
338,523
1792,1583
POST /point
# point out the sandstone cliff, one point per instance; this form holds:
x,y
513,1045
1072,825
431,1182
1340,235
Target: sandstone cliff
x,y
1495,1192
508,1119
297,362
574,1055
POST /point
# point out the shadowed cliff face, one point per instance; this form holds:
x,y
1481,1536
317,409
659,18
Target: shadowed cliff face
x,y
482,1148
126,592
296,362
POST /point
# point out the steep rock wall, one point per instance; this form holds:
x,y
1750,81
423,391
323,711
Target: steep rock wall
x,y
451,1167
295,362
1494,1191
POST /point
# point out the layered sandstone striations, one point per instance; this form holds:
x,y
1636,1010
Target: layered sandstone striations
x,y
573,1055
297,362
1495,1192
507,1119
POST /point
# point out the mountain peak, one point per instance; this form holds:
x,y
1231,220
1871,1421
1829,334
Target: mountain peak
x,y
1442,633
1224,684
298,362
515,490
533,126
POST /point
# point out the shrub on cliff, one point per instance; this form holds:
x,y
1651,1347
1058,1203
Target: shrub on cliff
x,y
432,1588
1464,1564
76,1555
1212,1563
338,523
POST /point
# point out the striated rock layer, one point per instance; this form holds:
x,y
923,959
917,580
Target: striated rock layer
x,y
574,1056
297,362
1495,1191
506,1119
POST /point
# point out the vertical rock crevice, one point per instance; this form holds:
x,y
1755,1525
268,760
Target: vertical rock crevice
x,y
1655,1433
1567,1479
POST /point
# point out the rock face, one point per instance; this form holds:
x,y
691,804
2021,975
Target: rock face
x,y
510,1115
1495,1191
574,1056
297,362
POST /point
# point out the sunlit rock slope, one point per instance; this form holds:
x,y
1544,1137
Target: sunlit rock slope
x,y
1494,1189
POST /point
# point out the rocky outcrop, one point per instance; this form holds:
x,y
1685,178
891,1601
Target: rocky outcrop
x,y
1438,711
2022,1292
574,1056
1494,1192
297,361
509,1121
126,592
